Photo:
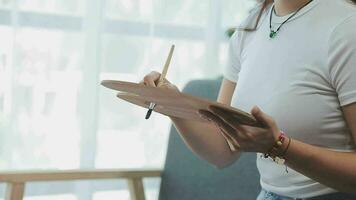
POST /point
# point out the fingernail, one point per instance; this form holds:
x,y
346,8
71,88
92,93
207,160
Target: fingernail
x,y
257,108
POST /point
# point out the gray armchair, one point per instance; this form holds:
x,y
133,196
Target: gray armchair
x,y
186,177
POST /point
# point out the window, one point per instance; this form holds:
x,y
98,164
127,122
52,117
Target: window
x,y
53,54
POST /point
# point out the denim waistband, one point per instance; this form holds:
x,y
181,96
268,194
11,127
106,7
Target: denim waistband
x,y
266,195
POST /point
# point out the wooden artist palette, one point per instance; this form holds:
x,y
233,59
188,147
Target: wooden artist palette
x,y
173,103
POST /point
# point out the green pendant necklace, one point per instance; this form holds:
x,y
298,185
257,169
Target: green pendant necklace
x,y
273,33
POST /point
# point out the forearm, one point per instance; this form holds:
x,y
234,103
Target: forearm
x,y
205,140
334,169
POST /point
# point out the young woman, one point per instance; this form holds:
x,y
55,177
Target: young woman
x,y
295,60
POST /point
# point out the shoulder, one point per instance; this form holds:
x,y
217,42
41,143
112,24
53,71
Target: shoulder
x,y
345,6
344,22
336,11
343,34
332,20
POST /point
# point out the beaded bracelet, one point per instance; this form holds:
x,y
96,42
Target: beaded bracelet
x,y
273,152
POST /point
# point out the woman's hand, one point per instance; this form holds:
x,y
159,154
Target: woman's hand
x,y
152,79
245,138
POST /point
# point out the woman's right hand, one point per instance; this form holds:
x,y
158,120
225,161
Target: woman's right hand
x,y
152,79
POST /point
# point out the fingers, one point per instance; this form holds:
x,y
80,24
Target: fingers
x,y
226,117
239,139
240,133
232,145
219,123
260,116
263,117
151,78
246,138
266,120
164,83
231,141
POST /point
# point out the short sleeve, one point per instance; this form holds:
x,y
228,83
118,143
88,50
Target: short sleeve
x,y
232,68
342,60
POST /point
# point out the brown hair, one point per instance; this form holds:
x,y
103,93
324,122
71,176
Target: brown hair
x,y
264,6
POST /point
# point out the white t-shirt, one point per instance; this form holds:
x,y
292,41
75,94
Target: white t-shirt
x,y
301,78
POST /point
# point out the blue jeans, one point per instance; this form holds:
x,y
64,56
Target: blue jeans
x,y
265,195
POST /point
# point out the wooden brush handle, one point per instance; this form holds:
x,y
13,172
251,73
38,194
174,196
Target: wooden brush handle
x,y
166,66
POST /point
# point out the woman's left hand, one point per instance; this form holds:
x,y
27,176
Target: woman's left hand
x,y
245,138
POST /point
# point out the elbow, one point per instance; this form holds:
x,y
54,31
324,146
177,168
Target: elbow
x,y
222,164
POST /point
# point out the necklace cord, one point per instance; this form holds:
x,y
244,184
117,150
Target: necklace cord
x,y
285,21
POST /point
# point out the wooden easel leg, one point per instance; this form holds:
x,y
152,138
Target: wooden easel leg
x,y
15,191
136,189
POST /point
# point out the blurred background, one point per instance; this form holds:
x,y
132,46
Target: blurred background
x,y
53,55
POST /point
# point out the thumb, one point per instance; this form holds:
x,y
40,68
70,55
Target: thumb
x,y
262,117
164,82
